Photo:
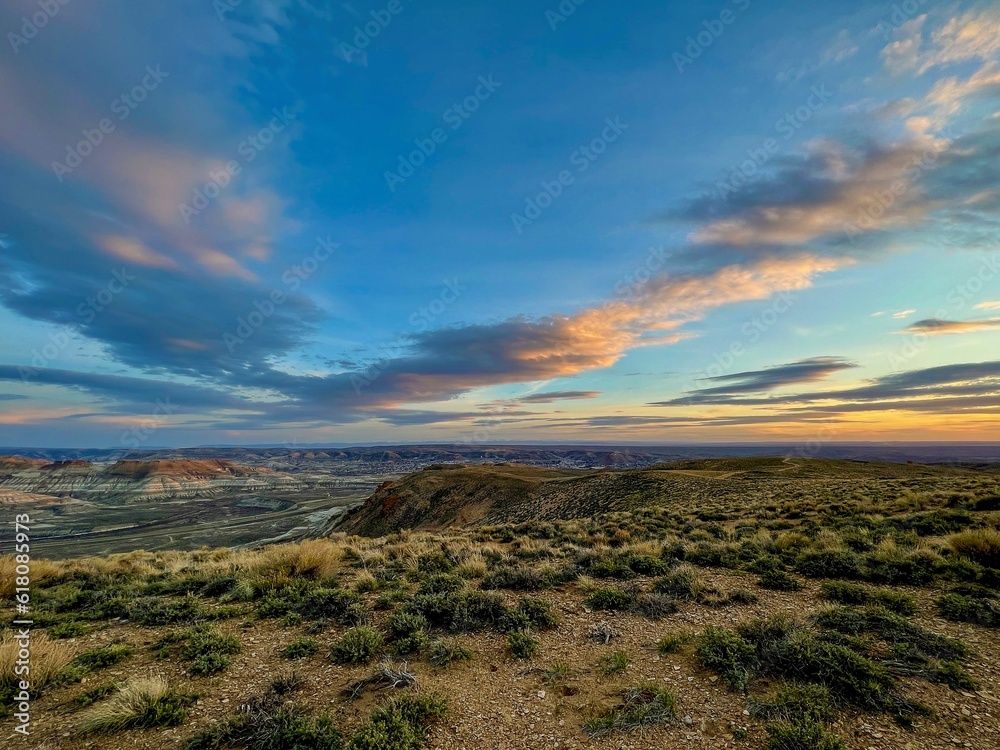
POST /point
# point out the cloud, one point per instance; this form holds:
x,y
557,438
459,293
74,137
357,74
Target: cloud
x,y
759,381
988,306
937,327
973,386
902,314
548,397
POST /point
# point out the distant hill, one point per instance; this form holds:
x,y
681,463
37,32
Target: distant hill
x,y
443,496
37,481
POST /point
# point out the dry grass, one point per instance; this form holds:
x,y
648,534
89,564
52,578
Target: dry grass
x,y
141,702
48,658
981,545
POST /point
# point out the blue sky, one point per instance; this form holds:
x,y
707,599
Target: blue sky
x,y
290,221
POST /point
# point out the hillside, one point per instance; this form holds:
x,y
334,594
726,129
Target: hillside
x,y
775,604
443,496
132,480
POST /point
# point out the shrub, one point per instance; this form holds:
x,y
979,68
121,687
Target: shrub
x,y
68,629
890,564
139,704
101,658
300,648
516,578
980,545
655,606
830,564
539,612
208,651
796,702
610,598
778,580
94,694
843,592
358,646
893,628
400,724
154,611
614,663
403,623
342,605
683,583
952,674
671,644
521,644
641,707
441,653
784,735
728,654
960,608
268,722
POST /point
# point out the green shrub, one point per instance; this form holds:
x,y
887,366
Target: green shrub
x,y
614,663
539,612
684,583
892,628
101,658
139,704
400,724
403,623
654,606
778,580
342,605
784,735
830,564
94,694
68,629
952,674
796,702
154,611
358,646
516,578
671,644
269,723
441,653
728,654
300,648
843,592
610,598
960,608
641,707
521,644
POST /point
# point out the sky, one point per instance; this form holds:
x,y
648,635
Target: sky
x,y
293,222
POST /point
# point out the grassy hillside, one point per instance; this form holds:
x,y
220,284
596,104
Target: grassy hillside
x,y
452,495
769,604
